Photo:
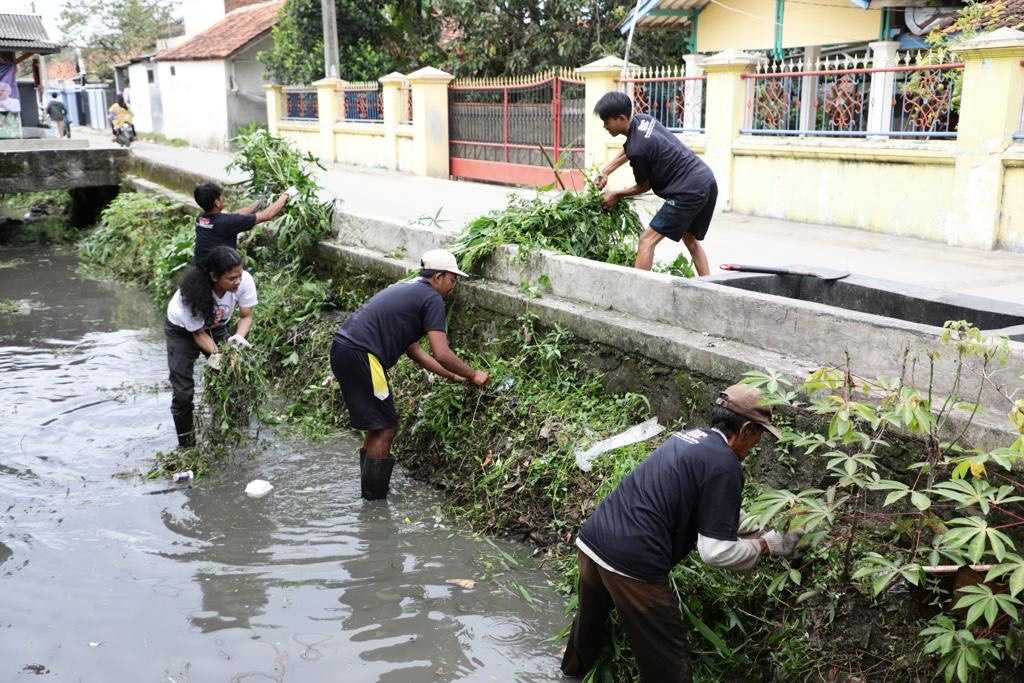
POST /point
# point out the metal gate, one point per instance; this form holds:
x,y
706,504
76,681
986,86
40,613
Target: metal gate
x,y
514,131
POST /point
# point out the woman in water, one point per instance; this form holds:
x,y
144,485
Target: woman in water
x,y
197,321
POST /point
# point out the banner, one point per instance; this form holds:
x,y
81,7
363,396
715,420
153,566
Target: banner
x,y
10,105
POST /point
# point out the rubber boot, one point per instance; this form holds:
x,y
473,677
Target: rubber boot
x,y
362,471
376,477
185,429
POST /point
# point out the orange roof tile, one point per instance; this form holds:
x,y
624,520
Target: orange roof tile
x,y
229,35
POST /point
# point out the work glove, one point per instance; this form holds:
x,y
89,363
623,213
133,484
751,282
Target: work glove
x,y
214,361
783,545
238,340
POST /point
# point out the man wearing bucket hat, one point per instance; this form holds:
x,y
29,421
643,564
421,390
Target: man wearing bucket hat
x,y
372,340
686,494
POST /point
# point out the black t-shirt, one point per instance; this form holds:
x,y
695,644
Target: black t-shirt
x,y
56,110
220,229
656,155
691,484
394,319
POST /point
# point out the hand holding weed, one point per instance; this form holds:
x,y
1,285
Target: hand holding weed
x,y
609,199
784,546
481,378
600,181
238,340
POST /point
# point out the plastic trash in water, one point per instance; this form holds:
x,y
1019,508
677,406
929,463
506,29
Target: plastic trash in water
x,y
185,476
257,488
635,434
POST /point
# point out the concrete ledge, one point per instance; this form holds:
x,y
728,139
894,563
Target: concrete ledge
x,y
817,334
61,169
852,150
41,144
170,177
669,345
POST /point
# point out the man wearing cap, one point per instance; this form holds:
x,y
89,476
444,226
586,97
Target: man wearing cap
x,y
686,494
372,340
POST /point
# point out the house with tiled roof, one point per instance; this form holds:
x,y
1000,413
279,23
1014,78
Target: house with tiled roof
x,y
209,84
22,39
792,27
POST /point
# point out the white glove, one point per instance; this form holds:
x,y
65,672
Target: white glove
x,y
214,361
238,340
783,545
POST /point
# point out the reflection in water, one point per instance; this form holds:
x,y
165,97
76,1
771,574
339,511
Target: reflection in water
x,y
100,580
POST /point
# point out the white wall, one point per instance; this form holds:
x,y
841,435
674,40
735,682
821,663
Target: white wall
x,y
139,84
246,97
200,15
195,102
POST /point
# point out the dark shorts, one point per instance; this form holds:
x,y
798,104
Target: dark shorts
x,y
351,367
690,212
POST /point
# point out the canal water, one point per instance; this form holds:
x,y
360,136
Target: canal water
x,y
105,576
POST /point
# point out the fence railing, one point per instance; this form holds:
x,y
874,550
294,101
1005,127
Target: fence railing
x,y
300,104
531,121
405,102
925,100
674,99
362,102
834,99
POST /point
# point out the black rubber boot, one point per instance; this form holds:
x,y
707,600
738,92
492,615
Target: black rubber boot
x,y
186,431
362,471
376,477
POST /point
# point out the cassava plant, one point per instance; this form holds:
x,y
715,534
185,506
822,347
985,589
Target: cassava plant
x,y
953,509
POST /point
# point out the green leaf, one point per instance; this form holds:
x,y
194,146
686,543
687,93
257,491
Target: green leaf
x,y
920,501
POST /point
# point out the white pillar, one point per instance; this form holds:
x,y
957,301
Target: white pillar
x,y
883,55
809,88
693,92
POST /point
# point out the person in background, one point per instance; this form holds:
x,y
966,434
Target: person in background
x,y
120,115
215,227
372,340
686,494
665,165
58,113
197,321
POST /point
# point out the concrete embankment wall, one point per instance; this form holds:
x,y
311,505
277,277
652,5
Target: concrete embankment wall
x,y
698,327
703,327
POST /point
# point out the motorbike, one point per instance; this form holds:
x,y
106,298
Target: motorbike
x,y
124,134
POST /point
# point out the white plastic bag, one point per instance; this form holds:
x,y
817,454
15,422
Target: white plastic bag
x,y
635,434
257,488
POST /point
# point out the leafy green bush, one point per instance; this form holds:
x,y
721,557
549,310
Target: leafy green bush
x,y
574,223
141,238
272,165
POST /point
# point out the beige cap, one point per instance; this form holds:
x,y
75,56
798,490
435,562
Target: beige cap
x,y
441,259
747,401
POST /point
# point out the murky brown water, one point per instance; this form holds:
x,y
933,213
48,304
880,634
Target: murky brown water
x,y
111,578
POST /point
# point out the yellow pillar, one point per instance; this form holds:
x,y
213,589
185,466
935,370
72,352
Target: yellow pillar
x,y
725,114
274,107
990,105
391,98
430,121
599,78
327,90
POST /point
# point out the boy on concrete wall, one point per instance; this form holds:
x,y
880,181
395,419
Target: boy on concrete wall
x,y
665,165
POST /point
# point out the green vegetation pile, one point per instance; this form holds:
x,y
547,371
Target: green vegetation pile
x,y
573,223
863,466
